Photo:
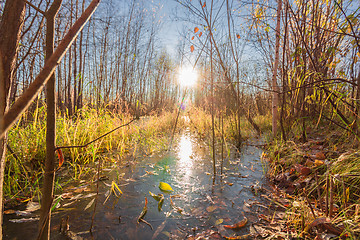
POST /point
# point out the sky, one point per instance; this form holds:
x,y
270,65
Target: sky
x,y
169,32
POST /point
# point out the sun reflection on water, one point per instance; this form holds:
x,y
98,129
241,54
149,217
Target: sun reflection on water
x,y
185,163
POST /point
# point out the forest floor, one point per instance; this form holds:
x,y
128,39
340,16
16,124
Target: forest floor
x,y
316,186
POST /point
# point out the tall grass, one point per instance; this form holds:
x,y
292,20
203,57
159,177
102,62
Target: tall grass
x,y
201,124
24,168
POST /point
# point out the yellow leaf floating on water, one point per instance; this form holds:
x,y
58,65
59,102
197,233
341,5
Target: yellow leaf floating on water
x,y
165,187
219,221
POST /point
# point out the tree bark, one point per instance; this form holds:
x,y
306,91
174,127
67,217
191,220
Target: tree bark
x,y
275,87
49,176
10,30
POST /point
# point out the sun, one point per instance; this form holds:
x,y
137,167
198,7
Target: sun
x,y
187,76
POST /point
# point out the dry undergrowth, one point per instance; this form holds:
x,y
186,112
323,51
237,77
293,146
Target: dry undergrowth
x,y
316,183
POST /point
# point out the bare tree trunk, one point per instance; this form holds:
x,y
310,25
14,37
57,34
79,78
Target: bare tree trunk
x,y
212,109
49,176
284,76
275,100
10,29
23,102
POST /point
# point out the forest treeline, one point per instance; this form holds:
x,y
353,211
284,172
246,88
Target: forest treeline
x,y
297,61
116,60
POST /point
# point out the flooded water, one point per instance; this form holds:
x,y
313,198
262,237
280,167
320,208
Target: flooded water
x,y
198,202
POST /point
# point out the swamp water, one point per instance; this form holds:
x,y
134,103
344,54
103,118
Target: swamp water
x,y
197,204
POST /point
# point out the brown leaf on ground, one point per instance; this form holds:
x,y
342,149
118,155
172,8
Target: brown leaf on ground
x,y
325,224
320,156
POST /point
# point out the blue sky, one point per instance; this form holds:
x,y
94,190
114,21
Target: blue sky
x,y
169,32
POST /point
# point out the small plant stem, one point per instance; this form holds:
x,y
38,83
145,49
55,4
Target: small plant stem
x,y
308,201
331,207
318,190
344,192
327,196
12,152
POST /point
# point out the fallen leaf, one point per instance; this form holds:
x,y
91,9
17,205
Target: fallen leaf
x,y
228,183
165,187
160,203
156,197
143,212
320,156
89,204
237,225
158,230
32,206
325,223
309,163
151,173
318,163
219,221
9,211
211,208
166,233
247,236
305,171
23,220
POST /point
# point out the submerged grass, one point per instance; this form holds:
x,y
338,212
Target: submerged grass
x,y
26,141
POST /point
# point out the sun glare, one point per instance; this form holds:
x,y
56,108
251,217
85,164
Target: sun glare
x,y
187,76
